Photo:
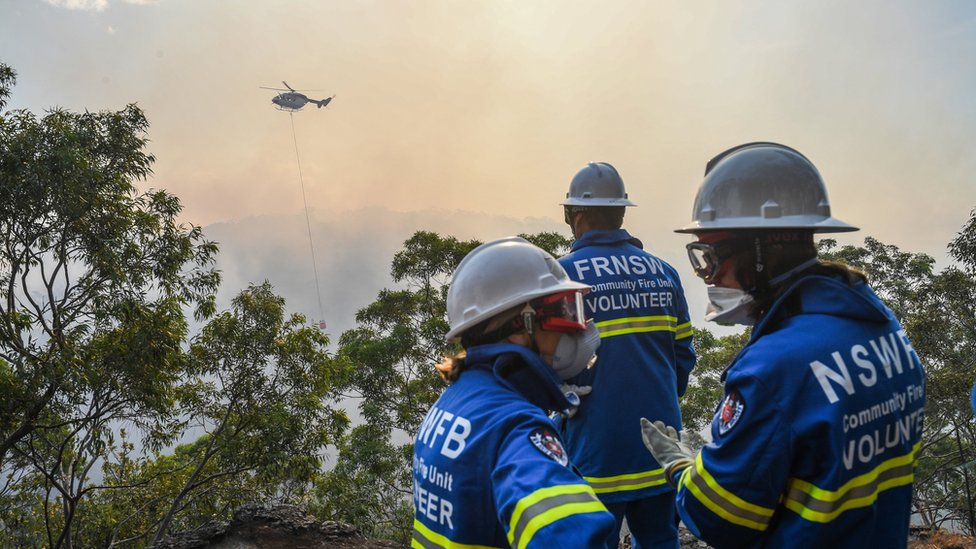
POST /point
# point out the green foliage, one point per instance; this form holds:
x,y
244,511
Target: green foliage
x,y
96,280
899,278
963,247
87,263
370,486
944,334
262,393
8,77
556,244
94,277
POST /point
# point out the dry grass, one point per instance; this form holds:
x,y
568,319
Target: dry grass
x,y
942,540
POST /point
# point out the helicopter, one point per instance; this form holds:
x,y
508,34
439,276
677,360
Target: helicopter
x,y
292,100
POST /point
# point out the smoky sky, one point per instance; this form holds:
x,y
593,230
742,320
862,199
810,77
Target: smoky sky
x,y
491,107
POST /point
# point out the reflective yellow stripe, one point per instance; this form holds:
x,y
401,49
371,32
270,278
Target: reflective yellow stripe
x,y
425,538
636,324
547,505
818,505
720,501
683,477
683,331
552,515
630,481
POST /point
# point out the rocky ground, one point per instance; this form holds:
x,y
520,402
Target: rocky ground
x,y
924,539
286,526
279,527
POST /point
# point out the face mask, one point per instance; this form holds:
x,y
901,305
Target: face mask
x,y
575,351
729,306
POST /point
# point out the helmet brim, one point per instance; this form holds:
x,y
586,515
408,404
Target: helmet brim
x,y
823,225
597,202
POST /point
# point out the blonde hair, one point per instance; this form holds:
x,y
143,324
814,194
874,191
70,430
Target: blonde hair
x,y
449,368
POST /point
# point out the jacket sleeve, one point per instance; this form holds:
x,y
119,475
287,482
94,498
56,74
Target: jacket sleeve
x,y
731,492
541,501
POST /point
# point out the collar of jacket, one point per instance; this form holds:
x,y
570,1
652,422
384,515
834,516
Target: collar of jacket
x,y
823,295
604,238
524,371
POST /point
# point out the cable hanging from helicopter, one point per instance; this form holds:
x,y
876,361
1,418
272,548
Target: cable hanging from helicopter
x,y
292,100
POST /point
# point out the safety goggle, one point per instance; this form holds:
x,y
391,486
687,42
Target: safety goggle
x,y
562,312
707,257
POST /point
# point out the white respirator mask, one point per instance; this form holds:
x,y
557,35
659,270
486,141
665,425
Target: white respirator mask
x,y
575,351
729,306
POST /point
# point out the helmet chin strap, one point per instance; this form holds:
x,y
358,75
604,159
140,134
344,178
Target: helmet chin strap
x,y
761,284
528,323
528,319
570,215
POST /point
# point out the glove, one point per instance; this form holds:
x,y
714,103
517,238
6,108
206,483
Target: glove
x,y
667,447
573,394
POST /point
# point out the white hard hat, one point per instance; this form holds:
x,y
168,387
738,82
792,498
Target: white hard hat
x,y
762,186
499,275
596,185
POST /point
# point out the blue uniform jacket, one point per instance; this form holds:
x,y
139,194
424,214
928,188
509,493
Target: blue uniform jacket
x,y
814,443
489,469
642,366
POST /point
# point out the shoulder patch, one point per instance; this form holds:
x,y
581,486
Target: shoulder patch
x,y
548,443
730,412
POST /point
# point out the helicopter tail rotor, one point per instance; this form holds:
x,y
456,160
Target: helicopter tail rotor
x,y
323,102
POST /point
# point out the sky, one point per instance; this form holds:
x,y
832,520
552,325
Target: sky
x,y
448,111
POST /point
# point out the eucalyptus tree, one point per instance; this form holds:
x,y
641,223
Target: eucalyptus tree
x,y
95,276
265,395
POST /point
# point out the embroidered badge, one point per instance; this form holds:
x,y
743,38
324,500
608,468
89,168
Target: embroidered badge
x,y
730,412
548,443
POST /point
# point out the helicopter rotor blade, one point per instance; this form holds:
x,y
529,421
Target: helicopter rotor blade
x,y
287,86
275,89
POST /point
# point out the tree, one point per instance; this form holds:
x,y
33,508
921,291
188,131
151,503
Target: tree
x,y
261,395
391,354
8,77
944,334
94,277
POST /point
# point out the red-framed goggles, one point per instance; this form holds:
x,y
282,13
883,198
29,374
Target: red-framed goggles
x,y
707,257
562,312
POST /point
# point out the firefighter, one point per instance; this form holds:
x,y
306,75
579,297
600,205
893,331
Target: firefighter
x,y
815,440
489,468
638,305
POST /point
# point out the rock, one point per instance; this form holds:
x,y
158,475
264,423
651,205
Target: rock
x,y
273,527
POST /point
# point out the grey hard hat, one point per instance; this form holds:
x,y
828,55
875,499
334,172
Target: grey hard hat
x,y
499,275
598,184
762,186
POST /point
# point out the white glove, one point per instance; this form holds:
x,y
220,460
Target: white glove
x,y
573,394
667,447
